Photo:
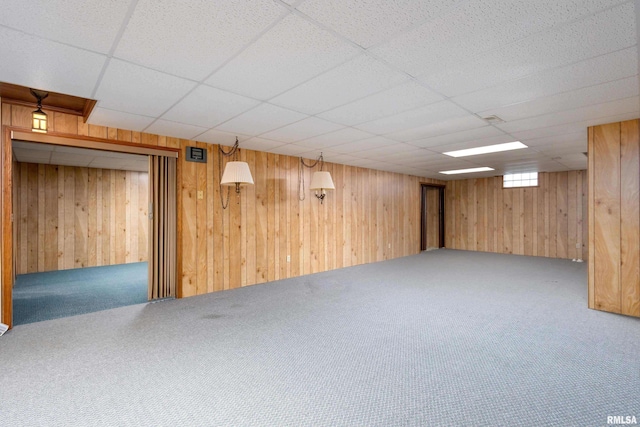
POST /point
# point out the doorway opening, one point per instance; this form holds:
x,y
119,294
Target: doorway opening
x,y
89,225
81,230
431,217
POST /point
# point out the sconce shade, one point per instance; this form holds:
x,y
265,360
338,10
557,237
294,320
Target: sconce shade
x,y
39,121
321,181
236,173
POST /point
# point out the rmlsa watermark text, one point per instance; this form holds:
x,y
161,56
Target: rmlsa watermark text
x,y
621,419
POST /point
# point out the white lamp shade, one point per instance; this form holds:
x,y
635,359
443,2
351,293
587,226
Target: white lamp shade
x,y
322,181
236,173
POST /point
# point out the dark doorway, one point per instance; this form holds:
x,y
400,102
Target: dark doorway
x,y
431,217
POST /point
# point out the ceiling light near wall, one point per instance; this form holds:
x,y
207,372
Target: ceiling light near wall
x,y
39,117
457,171
516,145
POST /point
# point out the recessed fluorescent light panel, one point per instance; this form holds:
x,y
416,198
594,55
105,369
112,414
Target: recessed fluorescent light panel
x,y
453,172
516,145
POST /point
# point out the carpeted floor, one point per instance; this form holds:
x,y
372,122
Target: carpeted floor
x,y
443,338
56,294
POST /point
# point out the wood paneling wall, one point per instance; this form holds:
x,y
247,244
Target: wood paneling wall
x,y
268,233
614,217
549,220
73,217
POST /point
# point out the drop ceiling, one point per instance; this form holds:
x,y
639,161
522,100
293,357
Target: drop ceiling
x,y
49,154
371,83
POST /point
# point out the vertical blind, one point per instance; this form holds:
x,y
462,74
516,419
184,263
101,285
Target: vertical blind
x,y
162,227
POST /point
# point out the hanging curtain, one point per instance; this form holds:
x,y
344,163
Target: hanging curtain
x,y
162,227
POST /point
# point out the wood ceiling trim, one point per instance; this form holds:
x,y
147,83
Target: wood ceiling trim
x,y
68,104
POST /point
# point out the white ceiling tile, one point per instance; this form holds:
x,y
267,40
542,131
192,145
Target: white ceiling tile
x,y
353,80
176,130
383,152
555,140
331,139
260,144
25,155
592,112
214,136
46,65
364,144
573,161
392,101
369,164
31,146
95,22
290,150
441,127
290,53
591,95
117,119
80,160
401,156
133,89
565,128
304,129
449,163
475,28
336,158
208,107
367,22
611,30
192,39
459,137
261,119
563,62
563,149
429,114
593,71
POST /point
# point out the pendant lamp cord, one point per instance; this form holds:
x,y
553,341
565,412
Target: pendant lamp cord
x,y
301,192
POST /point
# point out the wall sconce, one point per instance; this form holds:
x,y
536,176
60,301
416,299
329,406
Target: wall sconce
x,y
235,172
320,181
39,117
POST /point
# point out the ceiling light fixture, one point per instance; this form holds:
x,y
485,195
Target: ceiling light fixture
x,y
496,148
320,181
235,172
457,171
39,117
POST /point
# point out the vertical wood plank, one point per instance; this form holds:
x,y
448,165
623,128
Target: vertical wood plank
x,y
508,221
69,218
606,151
261,217
553,213
528,216
630,218
572,215
51,219
562,215
189,247
202,204
92,218
120,217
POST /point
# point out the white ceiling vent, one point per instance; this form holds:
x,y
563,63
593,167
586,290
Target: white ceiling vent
x,y
492,119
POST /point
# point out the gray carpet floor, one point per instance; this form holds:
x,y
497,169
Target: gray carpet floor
x,y
443,338
55,294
